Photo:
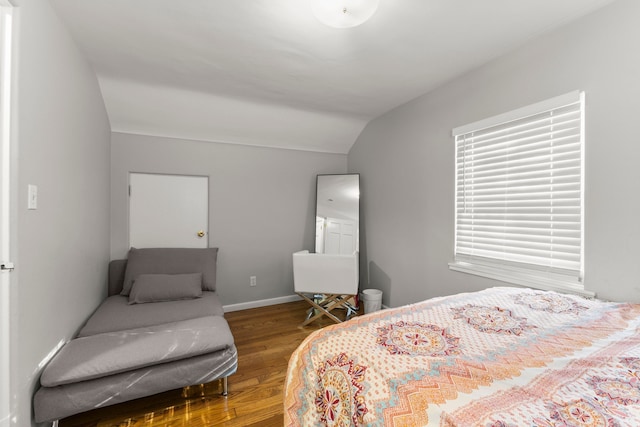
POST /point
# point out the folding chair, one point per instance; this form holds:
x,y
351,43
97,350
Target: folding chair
x,y
331,280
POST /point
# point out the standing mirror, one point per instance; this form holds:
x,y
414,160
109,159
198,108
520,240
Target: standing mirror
x,y
337,214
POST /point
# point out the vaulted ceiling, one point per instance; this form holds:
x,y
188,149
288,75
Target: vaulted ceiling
x,y
267,73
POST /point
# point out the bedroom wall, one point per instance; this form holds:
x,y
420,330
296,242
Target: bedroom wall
x,y
62,248
406,158
261,205
262,200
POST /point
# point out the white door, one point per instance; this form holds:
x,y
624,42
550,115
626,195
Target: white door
x,y
170,211
340,236
5,224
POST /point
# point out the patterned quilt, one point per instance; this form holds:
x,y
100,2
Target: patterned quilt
x,y
502,357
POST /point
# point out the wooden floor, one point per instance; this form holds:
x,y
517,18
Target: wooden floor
x,y
265,338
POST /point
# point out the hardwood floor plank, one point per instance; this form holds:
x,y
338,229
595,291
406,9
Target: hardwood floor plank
x,y
265,338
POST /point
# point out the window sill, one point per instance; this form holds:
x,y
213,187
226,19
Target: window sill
x,y
523,277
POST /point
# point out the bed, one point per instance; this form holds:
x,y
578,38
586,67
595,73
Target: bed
x,y
161,328
502,357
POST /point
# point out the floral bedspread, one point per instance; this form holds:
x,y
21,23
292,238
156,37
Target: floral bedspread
x,y
502,357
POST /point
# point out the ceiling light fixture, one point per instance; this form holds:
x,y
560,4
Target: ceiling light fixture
x,y
344,13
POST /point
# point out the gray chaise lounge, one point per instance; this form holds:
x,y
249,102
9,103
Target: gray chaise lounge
x,y
161,328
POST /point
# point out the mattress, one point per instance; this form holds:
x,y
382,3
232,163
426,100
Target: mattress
x,y
116,314
110,353
502,357
125,352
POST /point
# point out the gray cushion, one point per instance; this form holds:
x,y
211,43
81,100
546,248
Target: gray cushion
x,y
115,313
171,261
101,355
165,287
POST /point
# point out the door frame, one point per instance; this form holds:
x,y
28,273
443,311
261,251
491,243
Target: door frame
x,y
7,192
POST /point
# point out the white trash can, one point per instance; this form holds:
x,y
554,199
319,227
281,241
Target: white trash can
x,y
372,299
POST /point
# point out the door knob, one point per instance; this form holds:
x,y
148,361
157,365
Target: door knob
x,y
201,233
7,266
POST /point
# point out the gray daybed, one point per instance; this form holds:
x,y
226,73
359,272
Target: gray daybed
x,y
162,327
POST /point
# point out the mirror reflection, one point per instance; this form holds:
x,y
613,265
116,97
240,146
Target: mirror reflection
x,y
337,214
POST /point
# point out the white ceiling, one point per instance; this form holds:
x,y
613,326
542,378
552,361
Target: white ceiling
x,y
266,72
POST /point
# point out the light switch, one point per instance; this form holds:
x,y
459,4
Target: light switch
x,y
32,197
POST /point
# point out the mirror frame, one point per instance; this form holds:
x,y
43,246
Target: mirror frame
x,y
319,178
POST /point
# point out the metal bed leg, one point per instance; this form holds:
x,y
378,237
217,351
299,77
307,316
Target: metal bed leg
x,y
225,387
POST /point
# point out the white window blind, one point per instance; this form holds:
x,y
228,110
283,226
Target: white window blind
x,y
519,186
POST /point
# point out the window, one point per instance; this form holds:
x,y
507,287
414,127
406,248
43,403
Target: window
x,y
519,195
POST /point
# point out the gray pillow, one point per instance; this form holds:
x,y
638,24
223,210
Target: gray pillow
x,y
171,261
165,287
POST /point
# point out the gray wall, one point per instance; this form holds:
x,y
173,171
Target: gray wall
x,y
406,158
261,204
62,248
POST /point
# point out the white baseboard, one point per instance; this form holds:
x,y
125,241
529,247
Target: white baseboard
x,y
260,303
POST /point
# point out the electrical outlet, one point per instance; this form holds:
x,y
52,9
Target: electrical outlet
x,y
252,281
